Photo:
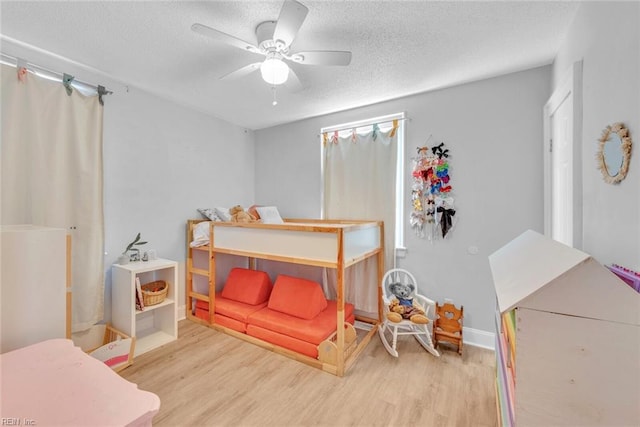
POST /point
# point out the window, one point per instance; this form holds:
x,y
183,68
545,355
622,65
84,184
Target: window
x,y
362,128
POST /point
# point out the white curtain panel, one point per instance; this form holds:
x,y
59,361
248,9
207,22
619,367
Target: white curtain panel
x,y
51,156
360,183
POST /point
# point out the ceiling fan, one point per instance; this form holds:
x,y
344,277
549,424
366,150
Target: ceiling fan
x,y
274,39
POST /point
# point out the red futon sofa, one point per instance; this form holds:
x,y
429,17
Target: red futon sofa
x,y
244,292
293,314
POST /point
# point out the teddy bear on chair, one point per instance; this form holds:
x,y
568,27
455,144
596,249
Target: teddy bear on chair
x,y
403,306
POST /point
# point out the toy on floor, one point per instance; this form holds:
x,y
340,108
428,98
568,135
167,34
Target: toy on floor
x,y
447,325
404,306
238,214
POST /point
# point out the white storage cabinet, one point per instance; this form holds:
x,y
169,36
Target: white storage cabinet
x,y
568,338
33,279
155,325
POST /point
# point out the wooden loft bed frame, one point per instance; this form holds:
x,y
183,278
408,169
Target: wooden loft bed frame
x,y
334,244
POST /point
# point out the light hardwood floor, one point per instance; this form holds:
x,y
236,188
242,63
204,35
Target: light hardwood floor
x,y
208,378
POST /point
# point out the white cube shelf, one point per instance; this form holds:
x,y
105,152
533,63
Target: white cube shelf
x,y
156,324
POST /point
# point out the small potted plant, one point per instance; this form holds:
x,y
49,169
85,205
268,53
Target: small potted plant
x,y
135,256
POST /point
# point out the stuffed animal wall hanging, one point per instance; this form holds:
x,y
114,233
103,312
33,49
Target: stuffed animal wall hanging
x,y
433,208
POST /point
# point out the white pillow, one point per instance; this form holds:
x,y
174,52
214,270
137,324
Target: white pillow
x,y
223,214
200,234
269,215
210,214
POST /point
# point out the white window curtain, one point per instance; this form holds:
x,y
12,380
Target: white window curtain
x,y
360,183
51,156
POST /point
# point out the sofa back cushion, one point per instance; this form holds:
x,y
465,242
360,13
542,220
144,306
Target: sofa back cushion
x,y
248,286
297,297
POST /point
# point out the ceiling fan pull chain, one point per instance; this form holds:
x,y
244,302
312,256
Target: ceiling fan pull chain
x,y
275,101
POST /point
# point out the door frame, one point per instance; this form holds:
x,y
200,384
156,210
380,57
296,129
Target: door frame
x,y
571,85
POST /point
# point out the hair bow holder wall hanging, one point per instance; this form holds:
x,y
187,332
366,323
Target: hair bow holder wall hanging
x,y
433,205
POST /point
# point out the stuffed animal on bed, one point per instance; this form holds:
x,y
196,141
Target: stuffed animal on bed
x,y
403,306
238,214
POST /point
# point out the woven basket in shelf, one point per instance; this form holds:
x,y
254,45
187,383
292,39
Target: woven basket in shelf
x,y
154,292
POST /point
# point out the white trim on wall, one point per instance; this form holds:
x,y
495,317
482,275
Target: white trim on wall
x,y
479,338
571,86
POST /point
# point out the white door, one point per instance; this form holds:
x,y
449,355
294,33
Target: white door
x,y
562,161
562,172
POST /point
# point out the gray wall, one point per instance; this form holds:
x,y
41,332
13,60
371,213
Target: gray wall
x,y
493,129
162,161
606,37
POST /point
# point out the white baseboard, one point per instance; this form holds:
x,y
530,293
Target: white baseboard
x,y
182,312
479,338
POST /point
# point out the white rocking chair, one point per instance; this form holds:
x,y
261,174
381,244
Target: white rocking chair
x,y
421,332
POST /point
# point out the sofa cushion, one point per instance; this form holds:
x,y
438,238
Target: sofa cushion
x,y
227,322
248,286
313,331
230,308
290,343
234,309
202,314
230,323
297,297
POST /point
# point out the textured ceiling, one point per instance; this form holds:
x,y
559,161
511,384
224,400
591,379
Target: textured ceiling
x,y
399,48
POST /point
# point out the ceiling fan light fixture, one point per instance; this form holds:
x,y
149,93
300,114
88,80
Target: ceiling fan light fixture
x,y
274,71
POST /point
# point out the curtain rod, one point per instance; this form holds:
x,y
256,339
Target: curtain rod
x,y
13,61
365,123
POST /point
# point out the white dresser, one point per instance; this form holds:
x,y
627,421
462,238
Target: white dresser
x,y
33,285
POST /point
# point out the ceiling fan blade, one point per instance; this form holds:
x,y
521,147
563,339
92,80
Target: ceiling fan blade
x,y
322,57
291,17
224,37
293,82
241,72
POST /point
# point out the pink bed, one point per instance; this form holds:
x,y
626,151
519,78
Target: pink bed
x,y
55,383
